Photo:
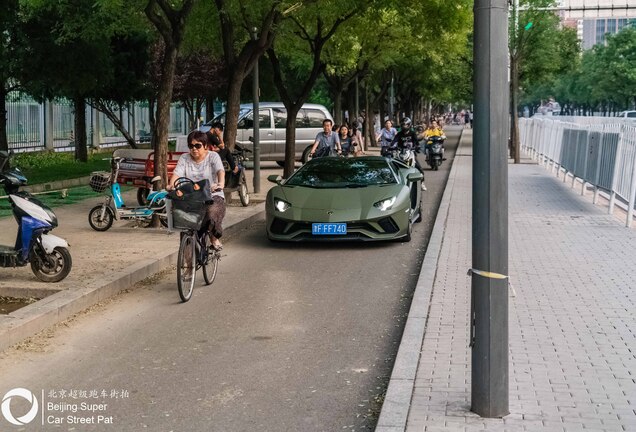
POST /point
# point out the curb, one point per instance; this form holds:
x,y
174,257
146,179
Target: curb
x,y
397,402
56,185
31,319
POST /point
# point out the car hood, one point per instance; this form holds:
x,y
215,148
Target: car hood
x,y
338,199
339,205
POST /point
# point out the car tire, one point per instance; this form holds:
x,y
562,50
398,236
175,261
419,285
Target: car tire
x,y
409,233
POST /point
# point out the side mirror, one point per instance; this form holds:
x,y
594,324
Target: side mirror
x,y
275,178
413,177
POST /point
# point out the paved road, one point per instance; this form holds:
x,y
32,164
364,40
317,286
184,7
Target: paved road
x,y
290,337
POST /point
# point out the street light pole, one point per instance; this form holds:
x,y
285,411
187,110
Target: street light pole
x,y
257,118
489,288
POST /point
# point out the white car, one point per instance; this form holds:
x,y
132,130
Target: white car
x,y
628,114
272,133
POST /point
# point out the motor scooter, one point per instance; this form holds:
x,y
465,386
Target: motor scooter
x,y
48,255
435,152
238,181
405,155
101,217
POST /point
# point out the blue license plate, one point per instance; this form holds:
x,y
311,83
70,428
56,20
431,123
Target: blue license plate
x,y
329,228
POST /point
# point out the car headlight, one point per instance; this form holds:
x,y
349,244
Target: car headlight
x,y
385,204
281,205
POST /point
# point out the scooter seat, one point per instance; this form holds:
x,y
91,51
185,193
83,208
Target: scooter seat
x,y
149,179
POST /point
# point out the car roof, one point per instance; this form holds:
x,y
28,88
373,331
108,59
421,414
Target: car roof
x,y
281,105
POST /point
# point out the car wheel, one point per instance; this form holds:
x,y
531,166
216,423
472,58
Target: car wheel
x,y
419,216
409,233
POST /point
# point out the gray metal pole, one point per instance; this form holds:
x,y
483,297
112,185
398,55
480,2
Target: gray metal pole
x,y
357,114
255,110
392,101
489,292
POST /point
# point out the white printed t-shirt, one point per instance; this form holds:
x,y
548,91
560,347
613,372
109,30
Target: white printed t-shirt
x,y
206,169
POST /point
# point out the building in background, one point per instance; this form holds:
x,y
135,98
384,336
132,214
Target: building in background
x,y
594,31
595,19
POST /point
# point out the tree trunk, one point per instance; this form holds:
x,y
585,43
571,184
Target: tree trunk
x,y
152,105
4,142
233,106
290,139
116,120
79,135
337,106
209,108
160,137
368,132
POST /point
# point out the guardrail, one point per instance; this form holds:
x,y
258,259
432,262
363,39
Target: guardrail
x,y
596,153
35,126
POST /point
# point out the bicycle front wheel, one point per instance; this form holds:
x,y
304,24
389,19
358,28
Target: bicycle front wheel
x,y
211,262
186,266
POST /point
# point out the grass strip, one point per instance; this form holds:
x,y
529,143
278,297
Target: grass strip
x,y
45,167
55,199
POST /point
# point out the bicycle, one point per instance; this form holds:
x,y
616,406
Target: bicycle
x,y
195,252
186,213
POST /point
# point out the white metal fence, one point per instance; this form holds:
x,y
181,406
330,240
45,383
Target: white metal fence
x,y
597,151
34,126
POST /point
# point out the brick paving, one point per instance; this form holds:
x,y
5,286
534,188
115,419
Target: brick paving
x,y
572,314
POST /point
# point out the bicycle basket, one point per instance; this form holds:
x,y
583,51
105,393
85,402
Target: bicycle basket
x,y
99,181
187,213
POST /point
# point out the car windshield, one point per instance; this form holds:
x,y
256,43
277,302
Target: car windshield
x,y
221,117
336,172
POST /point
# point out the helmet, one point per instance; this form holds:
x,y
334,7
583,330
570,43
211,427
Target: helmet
x,y
405,123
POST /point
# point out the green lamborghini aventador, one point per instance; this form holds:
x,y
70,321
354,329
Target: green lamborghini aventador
x,y
337,198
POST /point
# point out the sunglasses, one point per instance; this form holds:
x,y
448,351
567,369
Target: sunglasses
x,y
196,146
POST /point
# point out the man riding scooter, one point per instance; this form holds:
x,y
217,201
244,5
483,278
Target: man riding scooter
x,y
406,137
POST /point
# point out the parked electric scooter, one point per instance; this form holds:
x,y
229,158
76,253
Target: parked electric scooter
x,y
48,254
101,216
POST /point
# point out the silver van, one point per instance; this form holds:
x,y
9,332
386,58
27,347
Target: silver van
x,y
273,116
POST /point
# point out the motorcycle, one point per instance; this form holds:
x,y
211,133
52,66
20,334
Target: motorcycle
x,y
48,255
238,181
405,155
435,152
101,217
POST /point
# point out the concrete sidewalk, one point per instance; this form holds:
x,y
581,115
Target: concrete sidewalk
x,y
572,315
104,263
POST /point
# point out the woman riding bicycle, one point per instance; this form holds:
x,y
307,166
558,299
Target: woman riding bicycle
x,y
200,164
